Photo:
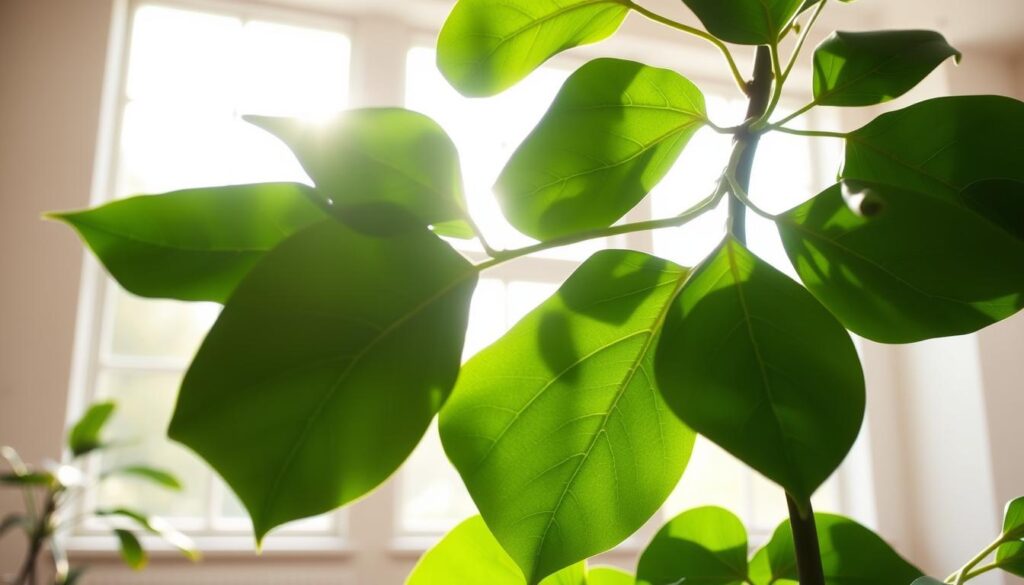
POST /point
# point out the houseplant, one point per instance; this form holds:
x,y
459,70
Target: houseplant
x,y
344,312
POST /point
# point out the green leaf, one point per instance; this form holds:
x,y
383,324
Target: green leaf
x,y
922,267
28,479
152,474
557,428
609,576
157,527
746,22
1013,519
487,46
613,132
1001,201
193,245
705,545
131,549
325,368
749,359
867,68
470,554
850,553
940,146
85,435
374,166
1010,555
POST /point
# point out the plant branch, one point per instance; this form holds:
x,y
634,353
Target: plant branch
x,y
812,133
737,76
741,165
803,38
964,573
805,541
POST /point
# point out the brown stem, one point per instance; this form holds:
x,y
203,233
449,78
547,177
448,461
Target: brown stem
x,y
40,533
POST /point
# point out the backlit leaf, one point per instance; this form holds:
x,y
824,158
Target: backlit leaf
x,y
705,545
746,22
85,435
131,549
609,576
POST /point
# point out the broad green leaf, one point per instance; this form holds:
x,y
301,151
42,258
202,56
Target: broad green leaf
x,y
1010,555
469,555
940,146
373,166
1013,519
613,132
558,430
851,555
705,545
193,245
867,68
922,267
749,359
609,576
746,22
131,549
152,474
487,46
325,368
85,435
155,526
1001,201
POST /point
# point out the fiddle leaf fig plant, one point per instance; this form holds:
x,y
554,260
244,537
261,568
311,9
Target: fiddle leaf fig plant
x,y
345,309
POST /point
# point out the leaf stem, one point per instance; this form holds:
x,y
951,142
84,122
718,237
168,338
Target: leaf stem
x,y
803,38
964,574
737,76
805,541
794,115
480,236
812,133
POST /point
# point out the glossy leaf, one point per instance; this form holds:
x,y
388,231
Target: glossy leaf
x,y
557,428
749,359
151,474
851,555
157,527
131,549
613,132
609,576
1001,201
470,555
487,46
867,68
85,435
705,545
746,22
373,166
940,146
1010,555
193,245
325,368
922,267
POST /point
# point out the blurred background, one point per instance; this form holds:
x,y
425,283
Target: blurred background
x,y
101,99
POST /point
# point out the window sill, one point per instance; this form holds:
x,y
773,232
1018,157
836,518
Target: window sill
x,y
218,546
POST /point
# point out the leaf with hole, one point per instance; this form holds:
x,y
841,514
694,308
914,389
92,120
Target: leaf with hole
x,y
851,555
380,169
193,245
615,129
746,22
749,359
867,68
705,545
84,437
487,46
898,276
325,368
557,428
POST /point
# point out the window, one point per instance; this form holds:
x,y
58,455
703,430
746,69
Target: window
x,y
179,126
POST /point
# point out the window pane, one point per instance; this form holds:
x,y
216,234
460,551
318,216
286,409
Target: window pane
x,y
156,328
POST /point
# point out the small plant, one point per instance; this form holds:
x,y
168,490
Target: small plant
x,y
345,310
50,491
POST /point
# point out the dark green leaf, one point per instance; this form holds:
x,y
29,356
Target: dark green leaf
x,y
131,549
1001,201
325,368
851,555
609,576
26,479
193,245
940,146
487,46
745,22
155,526
85,435
613,132
922,267
1010,555
867,68
557,428
752,361
373,166
470,555
157,476
704,545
